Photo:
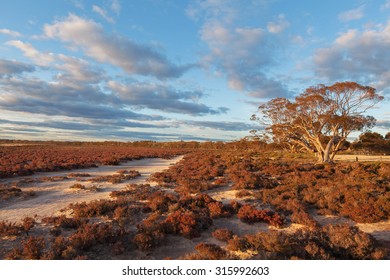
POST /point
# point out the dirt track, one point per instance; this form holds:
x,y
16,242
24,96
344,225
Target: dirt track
x,y
54,196
361,158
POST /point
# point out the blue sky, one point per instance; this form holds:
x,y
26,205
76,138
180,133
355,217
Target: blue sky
x,y
178,70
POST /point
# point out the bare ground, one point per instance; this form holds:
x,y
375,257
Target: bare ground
x,y
51,197
362,158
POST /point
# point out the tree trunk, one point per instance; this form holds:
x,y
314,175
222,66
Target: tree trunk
x,y
327,152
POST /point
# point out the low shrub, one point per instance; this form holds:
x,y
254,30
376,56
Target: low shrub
x,y
9,229
211,252
238,244
249,214
222,234
187,223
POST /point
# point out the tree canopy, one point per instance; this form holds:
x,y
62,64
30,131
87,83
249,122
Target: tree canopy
x,y
320,119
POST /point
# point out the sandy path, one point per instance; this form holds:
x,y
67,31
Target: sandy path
x,y
54,196
361,158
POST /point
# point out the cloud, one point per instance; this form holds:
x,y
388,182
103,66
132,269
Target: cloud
x,y
221,125
163,98
75,70
60,99
10,67
10,32
278,26
359,55
243,54
132,57
353,14
384,124
103,13
42,59
82,124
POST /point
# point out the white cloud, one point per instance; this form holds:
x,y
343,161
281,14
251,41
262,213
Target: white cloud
x,y
242,54
279,25
42,59
75,71
103,13
353,14
360,55
132,57
10,32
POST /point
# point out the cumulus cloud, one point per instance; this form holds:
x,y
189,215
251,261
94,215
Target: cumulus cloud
x,y
132,57
11,67
10,32
279,25
102,13
353,14
359,55
42,59
243,54
163,98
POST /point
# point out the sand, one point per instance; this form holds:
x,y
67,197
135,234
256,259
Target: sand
x,y
362,158
51,197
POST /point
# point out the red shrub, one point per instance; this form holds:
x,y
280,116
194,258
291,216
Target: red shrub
x,y
248,214
188,224
222,234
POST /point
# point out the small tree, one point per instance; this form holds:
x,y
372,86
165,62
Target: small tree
x,y
320,119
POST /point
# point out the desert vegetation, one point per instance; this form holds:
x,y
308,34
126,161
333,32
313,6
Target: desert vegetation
x,y
27,159
279,190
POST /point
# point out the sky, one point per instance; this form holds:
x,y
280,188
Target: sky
x,y
166,70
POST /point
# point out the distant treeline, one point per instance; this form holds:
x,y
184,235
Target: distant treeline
x,y
372,142
368,142
218,145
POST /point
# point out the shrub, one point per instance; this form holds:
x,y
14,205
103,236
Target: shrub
x,y
222,234
27,224
148,240
238,244
63,221
9,228
248,214
303,218
243,193
329,242
88,235
218,210
211,252
32,249
187,223
77,187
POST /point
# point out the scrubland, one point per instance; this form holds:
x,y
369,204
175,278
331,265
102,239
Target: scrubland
x,y
214,204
